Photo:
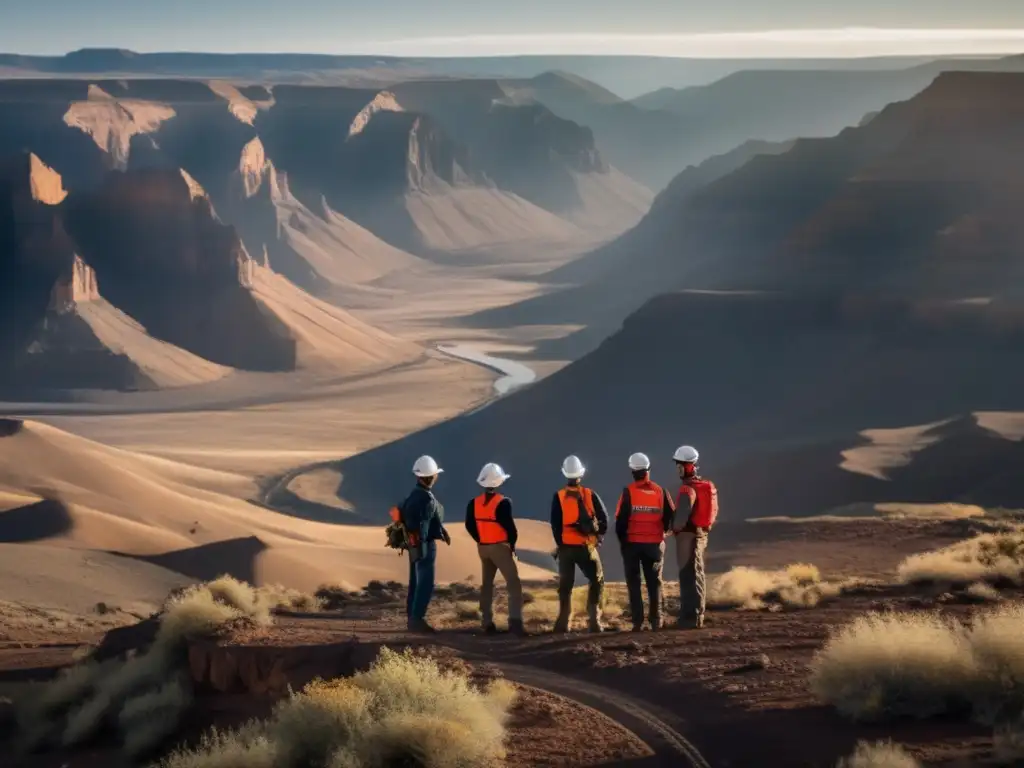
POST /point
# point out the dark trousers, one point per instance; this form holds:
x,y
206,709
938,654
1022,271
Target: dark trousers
x,y
421,582
644,560
690,548
589,562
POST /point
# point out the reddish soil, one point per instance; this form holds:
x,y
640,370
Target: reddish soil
x,y
737,690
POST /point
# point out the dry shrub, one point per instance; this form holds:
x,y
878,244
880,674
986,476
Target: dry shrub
x,y
247,747
467,611
796,586
980,592
881,666
880,754
325,717
997,645
136,675
147,720
277,597
141,696
920,665
991,557
405,710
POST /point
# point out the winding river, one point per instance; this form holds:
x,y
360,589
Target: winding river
x,y
514,375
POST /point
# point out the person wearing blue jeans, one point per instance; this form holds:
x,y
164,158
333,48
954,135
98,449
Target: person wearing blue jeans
x,y
423,518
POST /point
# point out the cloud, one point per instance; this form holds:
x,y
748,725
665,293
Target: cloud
x,y
783,43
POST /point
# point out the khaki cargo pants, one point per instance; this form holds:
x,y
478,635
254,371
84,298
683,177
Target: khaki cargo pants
x,y
495,558
690,547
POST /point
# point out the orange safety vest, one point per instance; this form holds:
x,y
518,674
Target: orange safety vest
x,y
646,519
571,535
485,511
704,495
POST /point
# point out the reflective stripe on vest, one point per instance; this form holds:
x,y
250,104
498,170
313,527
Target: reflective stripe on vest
x,y
485,511
646,518
571,535
705,505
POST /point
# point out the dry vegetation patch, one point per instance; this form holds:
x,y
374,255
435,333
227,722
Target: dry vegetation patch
x,y
880,754
886,666
405,710
140,699
993,558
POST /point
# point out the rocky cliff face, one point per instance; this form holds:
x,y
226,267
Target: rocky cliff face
x,y
35,249
894,207
166,260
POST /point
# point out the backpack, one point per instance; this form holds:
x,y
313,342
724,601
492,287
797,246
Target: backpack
x,y
397,536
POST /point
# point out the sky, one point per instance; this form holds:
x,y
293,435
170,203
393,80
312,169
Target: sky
x,y
712,28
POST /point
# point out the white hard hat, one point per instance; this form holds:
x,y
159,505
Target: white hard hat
x,y
425,466
686,454
491,476
573,468
639,461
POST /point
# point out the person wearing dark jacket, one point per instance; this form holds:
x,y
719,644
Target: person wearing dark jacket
x,y
423,517
490,523
579,523
643,517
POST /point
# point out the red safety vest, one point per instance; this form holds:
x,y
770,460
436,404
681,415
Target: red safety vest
x,y
485,511
646,519
570,501
704,499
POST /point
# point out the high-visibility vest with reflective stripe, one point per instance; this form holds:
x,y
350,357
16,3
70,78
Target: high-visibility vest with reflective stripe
x,y
646,518
485,511
570,501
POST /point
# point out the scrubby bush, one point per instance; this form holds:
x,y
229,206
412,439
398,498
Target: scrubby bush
x,y
143,696
994,558
150,718
920,665
404,710
883,666
796,586
248,747
880,754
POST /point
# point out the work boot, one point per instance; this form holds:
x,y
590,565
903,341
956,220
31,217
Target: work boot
x,y
490,629
515,627
594,619
421,626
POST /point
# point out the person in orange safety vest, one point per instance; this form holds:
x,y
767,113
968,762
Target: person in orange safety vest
x,y
642,518
579,522
490,523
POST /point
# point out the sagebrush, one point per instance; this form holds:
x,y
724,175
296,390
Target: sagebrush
x,y
884,666
404,710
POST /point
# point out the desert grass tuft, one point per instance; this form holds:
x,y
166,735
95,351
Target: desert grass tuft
x,y
879,754
796,586
405,710
995,558
886,666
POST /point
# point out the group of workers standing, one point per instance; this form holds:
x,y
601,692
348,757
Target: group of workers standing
x,y
646,514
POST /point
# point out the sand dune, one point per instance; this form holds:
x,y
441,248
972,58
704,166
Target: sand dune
x,y
110,500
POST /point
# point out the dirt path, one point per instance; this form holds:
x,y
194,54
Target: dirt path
x,y
669,746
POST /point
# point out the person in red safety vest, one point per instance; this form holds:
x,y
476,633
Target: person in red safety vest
x,y
697,506
490,523
643,517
